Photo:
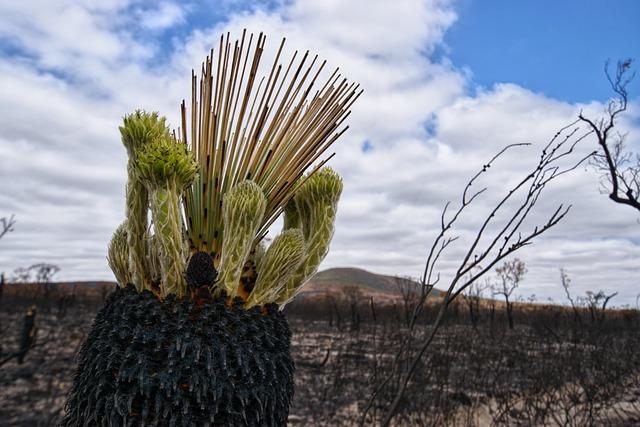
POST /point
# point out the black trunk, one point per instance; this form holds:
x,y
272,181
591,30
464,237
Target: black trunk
x,y
178,363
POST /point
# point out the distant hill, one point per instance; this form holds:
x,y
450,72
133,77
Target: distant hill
x,y
333,279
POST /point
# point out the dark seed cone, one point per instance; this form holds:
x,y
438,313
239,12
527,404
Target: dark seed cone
x,y
175,363
200,270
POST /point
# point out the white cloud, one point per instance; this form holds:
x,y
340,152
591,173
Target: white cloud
x,y
79,67
166,15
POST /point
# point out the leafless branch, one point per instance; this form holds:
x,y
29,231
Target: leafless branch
x,y
501,228
6,225
619,168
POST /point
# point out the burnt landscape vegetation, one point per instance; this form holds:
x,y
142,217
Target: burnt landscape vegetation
x,y
225,305
460,349
559,365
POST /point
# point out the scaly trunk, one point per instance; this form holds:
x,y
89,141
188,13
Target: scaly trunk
x,y
183,363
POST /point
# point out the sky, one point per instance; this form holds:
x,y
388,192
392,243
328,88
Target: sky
x,y
447,85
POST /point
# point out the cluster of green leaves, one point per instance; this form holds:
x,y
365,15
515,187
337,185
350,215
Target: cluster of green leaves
x,y
270,129
243,158
294,255
160,169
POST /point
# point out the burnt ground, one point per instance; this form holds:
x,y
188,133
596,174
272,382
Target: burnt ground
x,y
552,369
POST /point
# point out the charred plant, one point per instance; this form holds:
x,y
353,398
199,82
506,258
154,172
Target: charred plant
x,y
194,335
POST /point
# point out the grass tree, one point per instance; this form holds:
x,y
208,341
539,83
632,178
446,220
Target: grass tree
x,y
194,334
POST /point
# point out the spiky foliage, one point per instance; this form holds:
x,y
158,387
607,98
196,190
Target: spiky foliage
x,y
153,260
278,264
291,216
137,131
118,255
175,363
258,252
243,210
166,168
316,205
269,129
139,128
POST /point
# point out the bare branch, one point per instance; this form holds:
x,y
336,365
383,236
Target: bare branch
x,y
619,169
504,237
6,225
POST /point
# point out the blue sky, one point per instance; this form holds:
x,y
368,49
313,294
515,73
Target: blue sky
x,y
557,48
554,47
447,84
